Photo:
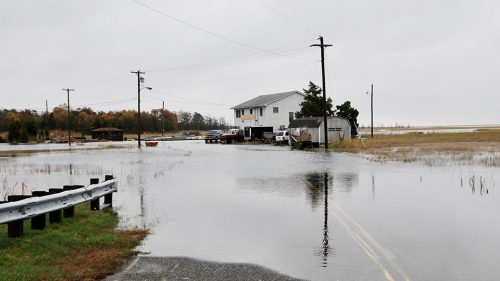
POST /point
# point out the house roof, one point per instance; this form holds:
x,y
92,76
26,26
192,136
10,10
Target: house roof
x,y
107,130
265,100
311,122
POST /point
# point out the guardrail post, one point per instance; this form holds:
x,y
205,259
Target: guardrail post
x,y
16,228
39,222
108,198
55,216
94,204
70,211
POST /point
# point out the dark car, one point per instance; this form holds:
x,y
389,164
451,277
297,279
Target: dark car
x,y
213,136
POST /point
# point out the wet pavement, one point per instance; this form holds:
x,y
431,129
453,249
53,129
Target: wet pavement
x,y
179,268
308,215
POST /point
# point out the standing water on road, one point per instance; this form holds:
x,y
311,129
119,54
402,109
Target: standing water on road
x,y
310,215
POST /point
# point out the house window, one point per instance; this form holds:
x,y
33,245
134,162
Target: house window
x,y
275,109
251,111
260,111
242,112
238,115
290,116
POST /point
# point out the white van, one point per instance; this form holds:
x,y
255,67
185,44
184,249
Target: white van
x,y
282,136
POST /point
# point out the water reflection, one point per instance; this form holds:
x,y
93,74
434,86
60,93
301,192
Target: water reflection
x,y
317,185
347,181
373,187
479,184
142,191
326,246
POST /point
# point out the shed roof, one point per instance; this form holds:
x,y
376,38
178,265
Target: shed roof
x,y
107,130
311,122
264,100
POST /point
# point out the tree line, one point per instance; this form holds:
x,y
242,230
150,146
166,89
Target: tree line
x,y
22,125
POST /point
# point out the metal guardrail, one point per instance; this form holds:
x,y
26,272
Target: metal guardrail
x,y
34,206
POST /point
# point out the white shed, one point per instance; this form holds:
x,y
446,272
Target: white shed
x,y
311,129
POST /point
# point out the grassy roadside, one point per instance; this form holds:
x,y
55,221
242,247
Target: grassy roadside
x,y
86,247
481,147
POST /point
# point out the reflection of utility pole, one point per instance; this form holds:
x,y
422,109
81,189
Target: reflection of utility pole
x,y
326,247
69,117
323,46
373,187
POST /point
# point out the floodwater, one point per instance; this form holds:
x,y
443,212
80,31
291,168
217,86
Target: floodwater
x,y
310,215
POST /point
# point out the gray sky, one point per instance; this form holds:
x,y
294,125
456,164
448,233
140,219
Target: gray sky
x,y
432,62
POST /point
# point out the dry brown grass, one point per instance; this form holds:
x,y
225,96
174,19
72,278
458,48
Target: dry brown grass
x,y
436,149
97,262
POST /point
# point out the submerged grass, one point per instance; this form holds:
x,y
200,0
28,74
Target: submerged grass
x,y
86,247
481,147
14,152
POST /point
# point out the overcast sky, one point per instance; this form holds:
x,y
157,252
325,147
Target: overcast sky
x,y
433,62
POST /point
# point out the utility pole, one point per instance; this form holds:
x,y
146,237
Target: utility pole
x,y
139,78
69,116
139,81
325,120
372,108
46,119
163,119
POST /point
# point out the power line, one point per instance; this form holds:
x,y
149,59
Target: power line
x,y
333,76
286,17
190,100
208,31
196,104
232,60
242,76
107,102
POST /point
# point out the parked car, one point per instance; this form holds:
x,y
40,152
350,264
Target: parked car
x,y
213,136
282,136
233,135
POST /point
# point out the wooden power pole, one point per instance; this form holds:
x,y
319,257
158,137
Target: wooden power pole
x,y
139,78
69,116
163,119
325,119
372,108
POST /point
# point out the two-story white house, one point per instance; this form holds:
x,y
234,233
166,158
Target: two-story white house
x,y
275,110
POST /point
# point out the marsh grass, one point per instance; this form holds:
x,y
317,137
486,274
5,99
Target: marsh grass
x,y
481,147
14,152
86,247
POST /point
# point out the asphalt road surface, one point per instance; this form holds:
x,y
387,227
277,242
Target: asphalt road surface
x,y
182,269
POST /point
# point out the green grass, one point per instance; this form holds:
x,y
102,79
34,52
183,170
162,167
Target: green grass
x,y
86,247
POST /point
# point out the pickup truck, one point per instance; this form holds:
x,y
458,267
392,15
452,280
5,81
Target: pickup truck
x,y
213,136
233,135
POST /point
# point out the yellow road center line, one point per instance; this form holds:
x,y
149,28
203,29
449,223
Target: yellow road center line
x,y
369,252
371,240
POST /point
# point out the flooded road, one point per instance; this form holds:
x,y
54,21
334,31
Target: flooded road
x,y
310,215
